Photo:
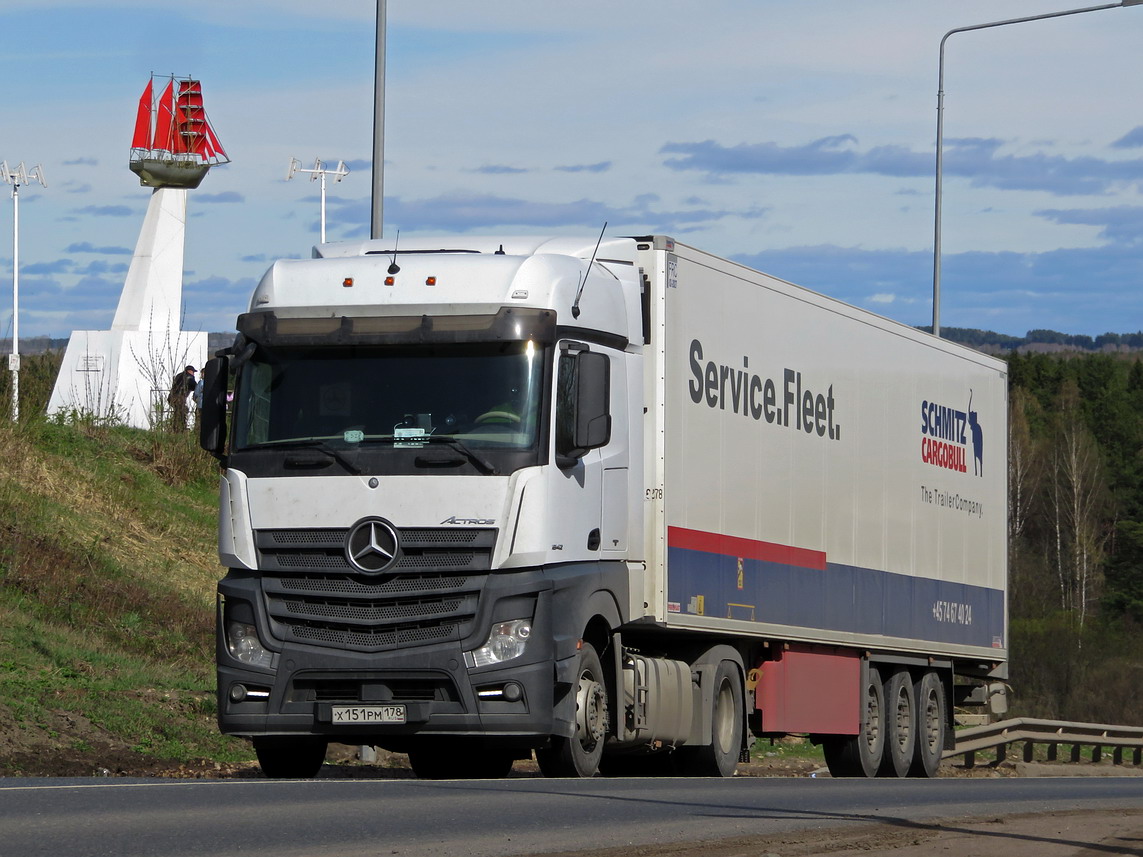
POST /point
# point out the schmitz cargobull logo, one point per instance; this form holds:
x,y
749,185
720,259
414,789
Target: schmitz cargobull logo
x,y
948,435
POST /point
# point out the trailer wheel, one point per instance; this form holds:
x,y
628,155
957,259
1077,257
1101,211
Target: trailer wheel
x,y
719,758
579,755
860,755
931,725
290,758
900,726
460,763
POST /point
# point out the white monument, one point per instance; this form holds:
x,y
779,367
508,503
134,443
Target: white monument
x,y
123,375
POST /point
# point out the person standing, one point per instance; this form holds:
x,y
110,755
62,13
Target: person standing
x,y
182,388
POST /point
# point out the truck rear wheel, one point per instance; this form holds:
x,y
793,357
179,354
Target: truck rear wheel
x,y
900,725
290,758
931,725
579,755
860,755
720,757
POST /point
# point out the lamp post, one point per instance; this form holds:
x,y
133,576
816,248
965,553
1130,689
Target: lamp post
x,y
321,171
18,176
940,131
376,214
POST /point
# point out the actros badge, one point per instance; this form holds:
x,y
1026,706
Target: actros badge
x,y
372,545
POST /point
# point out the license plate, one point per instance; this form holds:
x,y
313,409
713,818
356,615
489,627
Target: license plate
x,y
351,715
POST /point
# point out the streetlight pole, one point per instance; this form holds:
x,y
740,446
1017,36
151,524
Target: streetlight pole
x,y
376,217
320,171
940,132
17,177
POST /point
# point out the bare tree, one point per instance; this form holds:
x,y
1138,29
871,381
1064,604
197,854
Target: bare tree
x,y
1079,504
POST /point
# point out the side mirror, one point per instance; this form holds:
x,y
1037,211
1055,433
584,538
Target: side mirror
x,y
212,420
583,406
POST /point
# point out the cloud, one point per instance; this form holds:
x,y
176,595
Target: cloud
x,y
98,266
499,170
214,303
58,266
1133,139
1122,224
227,196
82,162
107,210
974,158
601,167
88,247
1073,290
462,212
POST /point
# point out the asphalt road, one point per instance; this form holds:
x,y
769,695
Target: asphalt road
x,y
78,818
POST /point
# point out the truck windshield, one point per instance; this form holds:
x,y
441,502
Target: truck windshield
x,y
462,400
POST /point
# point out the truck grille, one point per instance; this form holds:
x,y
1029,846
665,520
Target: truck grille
x,y
421,548
430,595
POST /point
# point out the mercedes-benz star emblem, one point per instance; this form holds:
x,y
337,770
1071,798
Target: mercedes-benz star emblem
x,y
372,545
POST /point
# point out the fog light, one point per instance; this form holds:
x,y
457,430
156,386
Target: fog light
x,y
506,641
237,693
513,692
243,644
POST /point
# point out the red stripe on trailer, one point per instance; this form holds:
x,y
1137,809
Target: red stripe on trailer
x,y
680,537
814,689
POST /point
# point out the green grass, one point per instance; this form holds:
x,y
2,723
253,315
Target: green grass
x,y
108,567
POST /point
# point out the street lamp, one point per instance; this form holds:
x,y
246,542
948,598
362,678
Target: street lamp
x,y
16,177
321,171
377,208
940,132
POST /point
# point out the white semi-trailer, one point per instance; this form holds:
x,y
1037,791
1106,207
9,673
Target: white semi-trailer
x,y
623,504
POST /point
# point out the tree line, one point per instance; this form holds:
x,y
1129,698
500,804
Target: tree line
x,y
1003,342
1075,521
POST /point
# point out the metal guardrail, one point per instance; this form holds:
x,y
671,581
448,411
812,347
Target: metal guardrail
x,y
1052,733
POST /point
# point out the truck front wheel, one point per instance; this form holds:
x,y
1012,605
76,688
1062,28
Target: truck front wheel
x,y
290,758
719,758
579,755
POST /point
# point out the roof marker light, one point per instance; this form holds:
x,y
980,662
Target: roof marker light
x,y
430,281
348,282
389,281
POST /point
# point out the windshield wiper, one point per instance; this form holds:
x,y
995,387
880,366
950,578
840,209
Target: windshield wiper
x,y
465,450
316,443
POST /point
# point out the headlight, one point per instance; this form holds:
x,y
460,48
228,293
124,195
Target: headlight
x,y
506,641
243,643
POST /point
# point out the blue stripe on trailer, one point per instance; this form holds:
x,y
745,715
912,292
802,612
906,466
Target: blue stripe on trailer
x,y
841,598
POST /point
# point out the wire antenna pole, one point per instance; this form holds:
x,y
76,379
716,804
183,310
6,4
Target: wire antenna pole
x,y
16,177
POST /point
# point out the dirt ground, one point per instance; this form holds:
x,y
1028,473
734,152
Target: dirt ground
x,y
1078,834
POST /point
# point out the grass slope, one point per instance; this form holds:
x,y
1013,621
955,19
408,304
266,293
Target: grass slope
x,y
107,576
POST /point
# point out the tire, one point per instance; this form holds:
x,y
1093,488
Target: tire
x,y
932,727
720,757
860,755
900,725
579,755
290,758
460,762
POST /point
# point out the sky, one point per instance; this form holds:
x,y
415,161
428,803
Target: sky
x,y
795,136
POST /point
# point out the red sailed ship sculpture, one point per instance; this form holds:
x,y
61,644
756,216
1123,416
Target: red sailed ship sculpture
x,y
174,145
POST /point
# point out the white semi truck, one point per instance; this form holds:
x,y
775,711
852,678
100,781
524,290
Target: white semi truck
x,y
619,503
